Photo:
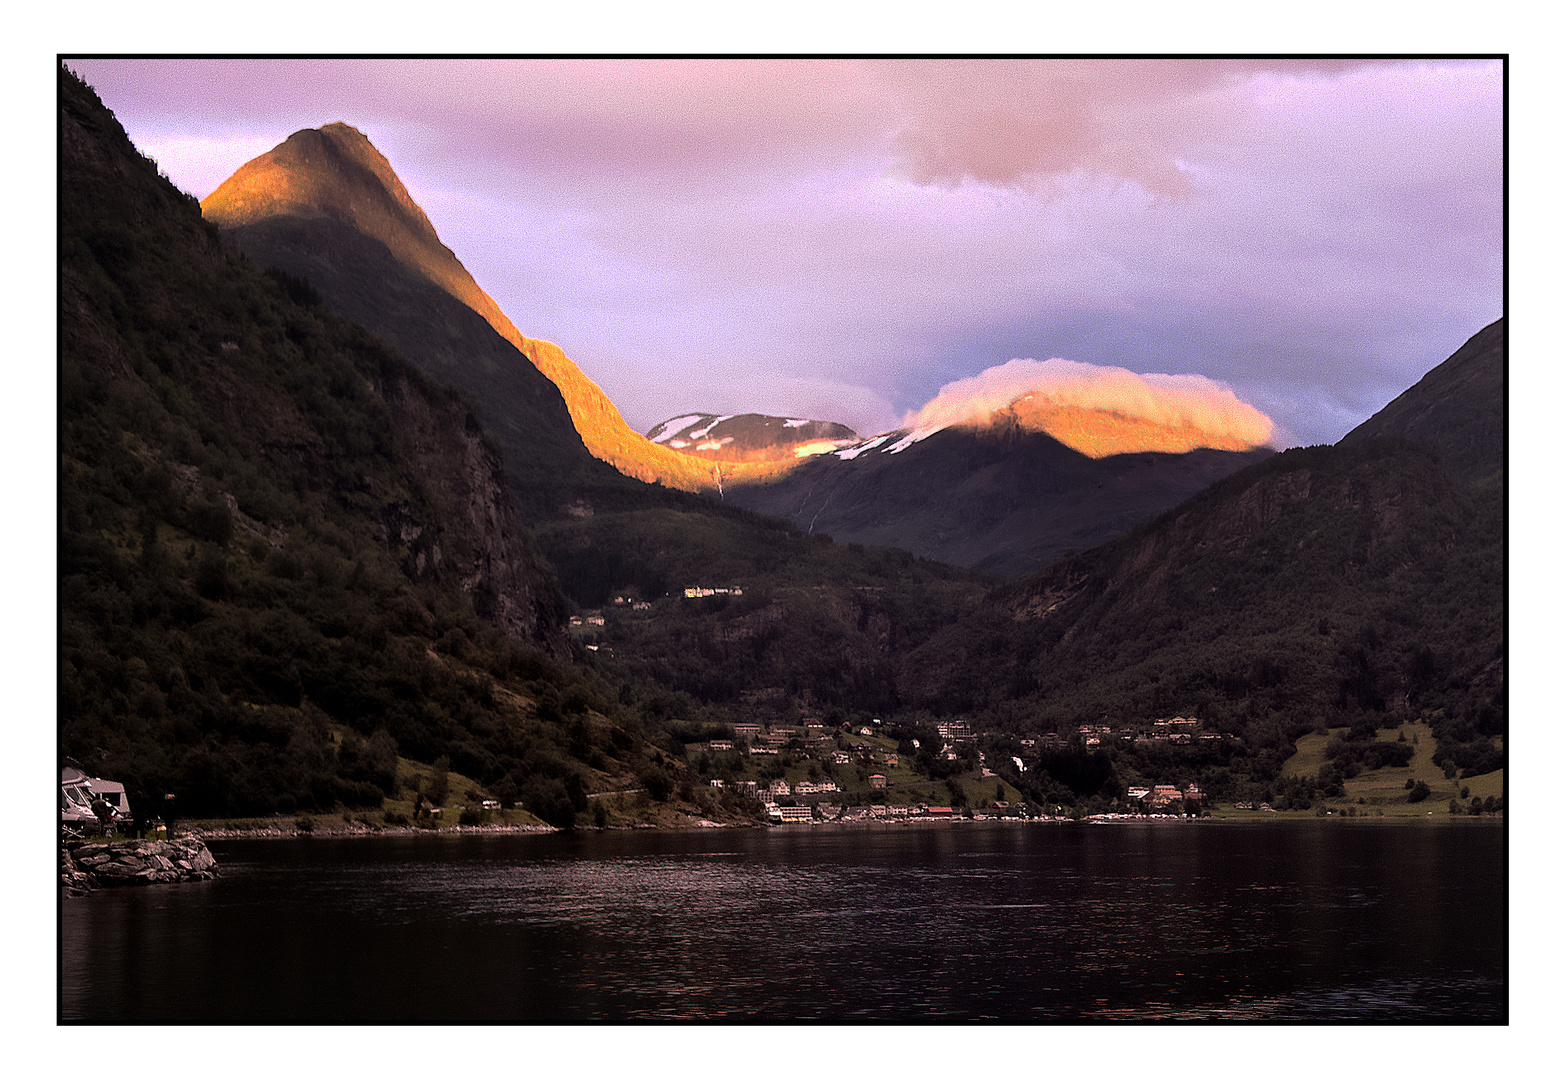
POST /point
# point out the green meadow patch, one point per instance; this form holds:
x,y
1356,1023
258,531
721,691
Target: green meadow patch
x,y
1384,792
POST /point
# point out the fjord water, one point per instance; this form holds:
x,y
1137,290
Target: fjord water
x,y
1011,922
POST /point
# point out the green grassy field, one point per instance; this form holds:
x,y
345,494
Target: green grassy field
x,y
1384,792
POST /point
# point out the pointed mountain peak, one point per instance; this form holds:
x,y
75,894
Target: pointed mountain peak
x,y
335,172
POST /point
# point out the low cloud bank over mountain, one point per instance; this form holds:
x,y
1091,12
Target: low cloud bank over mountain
x,y
1136,413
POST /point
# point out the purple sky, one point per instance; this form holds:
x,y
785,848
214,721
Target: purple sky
x,y
839,239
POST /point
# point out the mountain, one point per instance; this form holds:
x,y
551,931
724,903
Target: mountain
x,y
750,437
287,556
1349,587
1001,498
1359,584
325,205
358,277
1454,408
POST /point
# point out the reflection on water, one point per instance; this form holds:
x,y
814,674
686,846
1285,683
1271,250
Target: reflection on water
x,y
1282,921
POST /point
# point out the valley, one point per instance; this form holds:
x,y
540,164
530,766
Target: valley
x,y
328,522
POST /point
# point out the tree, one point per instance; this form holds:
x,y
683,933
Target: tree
x,y
1420,792
959,796
439,780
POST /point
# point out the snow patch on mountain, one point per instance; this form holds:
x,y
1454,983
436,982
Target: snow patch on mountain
x,y
673,427
908,440
702,434
854,451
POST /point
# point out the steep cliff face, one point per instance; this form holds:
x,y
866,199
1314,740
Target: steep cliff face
x,y
473,539
331,177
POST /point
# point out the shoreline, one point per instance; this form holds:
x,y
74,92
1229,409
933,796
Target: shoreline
x,y
359,830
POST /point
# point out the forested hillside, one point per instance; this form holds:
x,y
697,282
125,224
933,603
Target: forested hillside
x,y
1355,585
289,556
1352,587
286,555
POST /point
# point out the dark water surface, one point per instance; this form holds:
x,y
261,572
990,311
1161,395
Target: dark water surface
x,y
1277,921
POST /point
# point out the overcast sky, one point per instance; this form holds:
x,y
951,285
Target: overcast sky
x,y
840,239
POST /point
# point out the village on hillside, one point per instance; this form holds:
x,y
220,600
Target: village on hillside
x,y
811,771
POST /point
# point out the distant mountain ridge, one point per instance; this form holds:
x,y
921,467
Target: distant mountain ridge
x,y
326,206
334,174
750,436
999,498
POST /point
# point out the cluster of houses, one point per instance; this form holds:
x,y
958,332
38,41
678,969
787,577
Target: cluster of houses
x,y
778,789
810,737
875,812
698,591
1160,797
1174,730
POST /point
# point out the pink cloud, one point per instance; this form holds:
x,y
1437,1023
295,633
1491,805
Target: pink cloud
x,y
1168,401
1315,234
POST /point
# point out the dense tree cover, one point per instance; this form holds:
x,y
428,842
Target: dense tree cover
x,y
549,466
1343,587
1322,588
252,613
817,626
1329,587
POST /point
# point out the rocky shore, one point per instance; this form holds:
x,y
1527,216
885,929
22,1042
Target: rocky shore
x,y
84,866
329,829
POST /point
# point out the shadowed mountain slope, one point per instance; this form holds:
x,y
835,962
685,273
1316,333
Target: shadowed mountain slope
x,y
359,277
1458,408
286,555
1358,584
330,176
999,499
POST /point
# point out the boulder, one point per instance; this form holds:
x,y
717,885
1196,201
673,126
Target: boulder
x,y
134,862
